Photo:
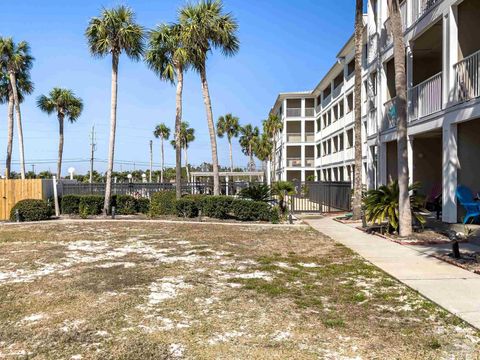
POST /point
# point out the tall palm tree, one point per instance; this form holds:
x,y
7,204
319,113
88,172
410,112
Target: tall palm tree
x,y
162,132
405,213
168,58
263,149
16,58
248,140
24,86
186,136
65,104
205,27
357,176
272,127
228,125
113,33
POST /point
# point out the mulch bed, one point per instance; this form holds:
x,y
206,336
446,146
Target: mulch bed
x,y
470,260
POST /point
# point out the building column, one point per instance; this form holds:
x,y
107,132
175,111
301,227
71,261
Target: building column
x,y
410,159
302,130
302,107
450,54
302,155
450,167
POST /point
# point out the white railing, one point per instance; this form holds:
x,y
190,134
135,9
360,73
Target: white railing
x,y
294,137
391,115
309,136
420,7
467,77
294,112
425,98
294,162
309,111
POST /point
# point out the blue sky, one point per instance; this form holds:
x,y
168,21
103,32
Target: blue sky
x,y
286,45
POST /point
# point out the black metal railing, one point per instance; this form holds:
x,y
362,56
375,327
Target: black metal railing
x,y
321,197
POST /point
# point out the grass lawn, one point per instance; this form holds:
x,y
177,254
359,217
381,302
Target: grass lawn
x,y
140,290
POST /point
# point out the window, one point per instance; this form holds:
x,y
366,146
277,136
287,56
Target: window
x,y
373,82
349,102
325,120
340,109
335,112
365,89
349,138
319,151
329,118
327,91
341,173
340,142
334,144
351,67
318,125
338,80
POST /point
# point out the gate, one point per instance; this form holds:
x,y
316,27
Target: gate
x,y
320,197
14,190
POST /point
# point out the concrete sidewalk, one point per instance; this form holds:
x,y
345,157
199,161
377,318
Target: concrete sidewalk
x,y
451,287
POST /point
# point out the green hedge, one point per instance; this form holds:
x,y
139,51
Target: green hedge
x,y
91,205
186,208
247,210
143,205
70,204
31,210
216,206
124,204
163,203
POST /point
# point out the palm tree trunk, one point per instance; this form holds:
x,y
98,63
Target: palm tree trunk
x,y
357,177
113,125
211,130
60,145
161,168
13,84
404,210
186,164
178,124
8,160
231,154
274,156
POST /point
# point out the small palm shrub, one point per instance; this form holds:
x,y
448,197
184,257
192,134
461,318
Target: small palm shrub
x,y
31,210
186,208
282,189
259,192
70,204
143,205
163,203
217,207
90,205
382,205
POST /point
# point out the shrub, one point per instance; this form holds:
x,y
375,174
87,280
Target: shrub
x,y
247,210
70,204
282,189
143,205
259,192
124,204
31,210
217,207
197,198
186,208
90,205
163,203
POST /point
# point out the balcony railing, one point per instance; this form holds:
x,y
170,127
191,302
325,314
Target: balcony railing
x,y
294,137
467,77
425,98
318,108
309,136
420,7
294,162
391,115
309,161
294,112
309,111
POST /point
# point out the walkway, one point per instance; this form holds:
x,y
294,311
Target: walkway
x,y
451,287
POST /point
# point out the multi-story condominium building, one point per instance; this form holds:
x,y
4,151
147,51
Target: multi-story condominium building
x,y
443,82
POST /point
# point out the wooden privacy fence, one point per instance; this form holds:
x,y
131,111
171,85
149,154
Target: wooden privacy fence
x,y
14,190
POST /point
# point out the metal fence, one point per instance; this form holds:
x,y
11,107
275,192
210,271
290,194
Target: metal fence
x,y
321,197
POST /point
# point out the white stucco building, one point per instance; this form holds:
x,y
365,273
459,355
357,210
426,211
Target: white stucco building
x,y
443,80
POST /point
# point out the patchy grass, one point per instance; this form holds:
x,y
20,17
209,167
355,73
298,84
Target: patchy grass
x,y
123,290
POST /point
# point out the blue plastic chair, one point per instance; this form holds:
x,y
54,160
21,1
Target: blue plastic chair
x,y
465,198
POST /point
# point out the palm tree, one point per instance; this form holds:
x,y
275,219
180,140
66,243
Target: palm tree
x,y
66,105
24,86
272,127
357,176
205,27
405,213
248,140
228,125
168,58
186,136
263,149
162,132
16,58
114,32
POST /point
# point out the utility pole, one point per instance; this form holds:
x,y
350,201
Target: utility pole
x,y
93,147
151,160
33,168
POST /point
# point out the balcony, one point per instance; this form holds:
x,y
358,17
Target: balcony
x,y
425,98
309,162
294,112
309,137
421,7
467,78
390,111
294,162
309,111
294,137
318,108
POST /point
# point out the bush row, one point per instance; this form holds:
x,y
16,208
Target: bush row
x,y
93,204
218,207
31,210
